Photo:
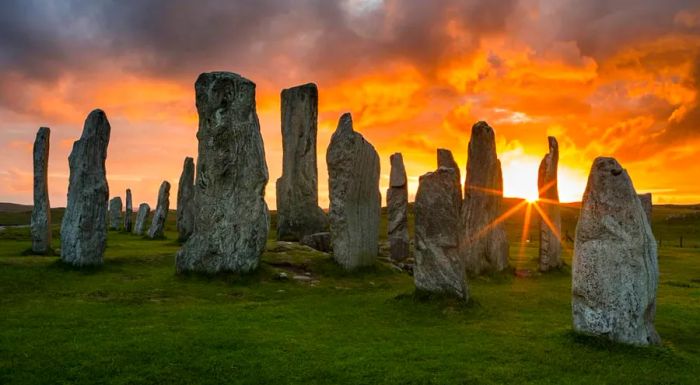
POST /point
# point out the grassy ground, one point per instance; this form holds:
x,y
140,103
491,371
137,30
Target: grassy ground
x,y
135,321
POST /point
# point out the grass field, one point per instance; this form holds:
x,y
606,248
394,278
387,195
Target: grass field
x,y
135,321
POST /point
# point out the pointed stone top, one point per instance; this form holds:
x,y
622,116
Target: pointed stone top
x,y
188,160
553,144
43,131
344,124
398,171
609,183
208,76
96,123
482,127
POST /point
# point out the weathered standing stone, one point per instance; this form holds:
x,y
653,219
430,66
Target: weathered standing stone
x,y
161,214
485,244
84,226
298,213
550,216
115,213
615,268
41,212
647,205
397,209
141,217
353,181
445,159
129,212
185,201
439,264
231,216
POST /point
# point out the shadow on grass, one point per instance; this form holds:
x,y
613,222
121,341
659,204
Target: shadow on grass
x,y
87,269
601,343
49,253
439,300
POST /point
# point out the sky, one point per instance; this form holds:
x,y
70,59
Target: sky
x,y
606,77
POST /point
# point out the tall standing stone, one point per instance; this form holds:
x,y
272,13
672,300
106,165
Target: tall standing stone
x,y
41,212
157,229
185,201
550,216
84,226
115,213
129,212
298,213
615,267
353,181
397,208
445,159
485,244
231,218
647,205
439,264
141,217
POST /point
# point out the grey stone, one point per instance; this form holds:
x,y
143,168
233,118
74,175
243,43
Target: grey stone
x,y
397,210
615,267
129,212
185,201
157,229
647,205
141,217
298,213
445,159
84,226
485,244
439,266
231,220
548,204
318,241
115,213
353,180
41,212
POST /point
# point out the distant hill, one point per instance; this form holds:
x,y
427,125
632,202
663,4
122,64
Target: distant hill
x,y
6,207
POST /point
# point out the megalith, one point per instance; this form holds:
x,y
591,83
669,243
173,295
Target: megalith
x,y
231,221
548,208
141,218
647,205
128,212
445,159
439,264
397,209
41,212
298,213
615,268
157,229
485,244
185,201
84,225
355,200
115,213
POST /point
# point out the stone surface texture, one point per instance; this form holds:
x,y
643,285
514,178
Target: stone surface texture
x,y
41,212
397,209
84,225
115,213
157,229
353,180
445,159
185,201
141,218
439,266
615,268
231,219
298,213
318,241
548,205
129,212
646,201
485,243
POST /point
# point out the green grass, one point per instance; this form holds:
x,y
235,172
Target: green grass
x,y
135,321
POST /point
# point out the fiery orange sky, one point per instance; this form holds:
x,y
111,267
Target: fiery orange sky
x,y
613,78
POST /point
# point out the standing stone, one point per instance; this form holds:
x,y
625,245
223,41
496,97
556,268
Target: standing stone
x,y
485,244
445,159
84,226
647,205
615,268
353,181
439,264
115,213
141,217
298,213
550,221
185,201
397,208
129,213
161,214
231,221
41,212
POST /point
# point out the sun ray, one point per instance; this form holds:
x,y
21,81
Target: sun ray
x,y
548,221
498,220
526,231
